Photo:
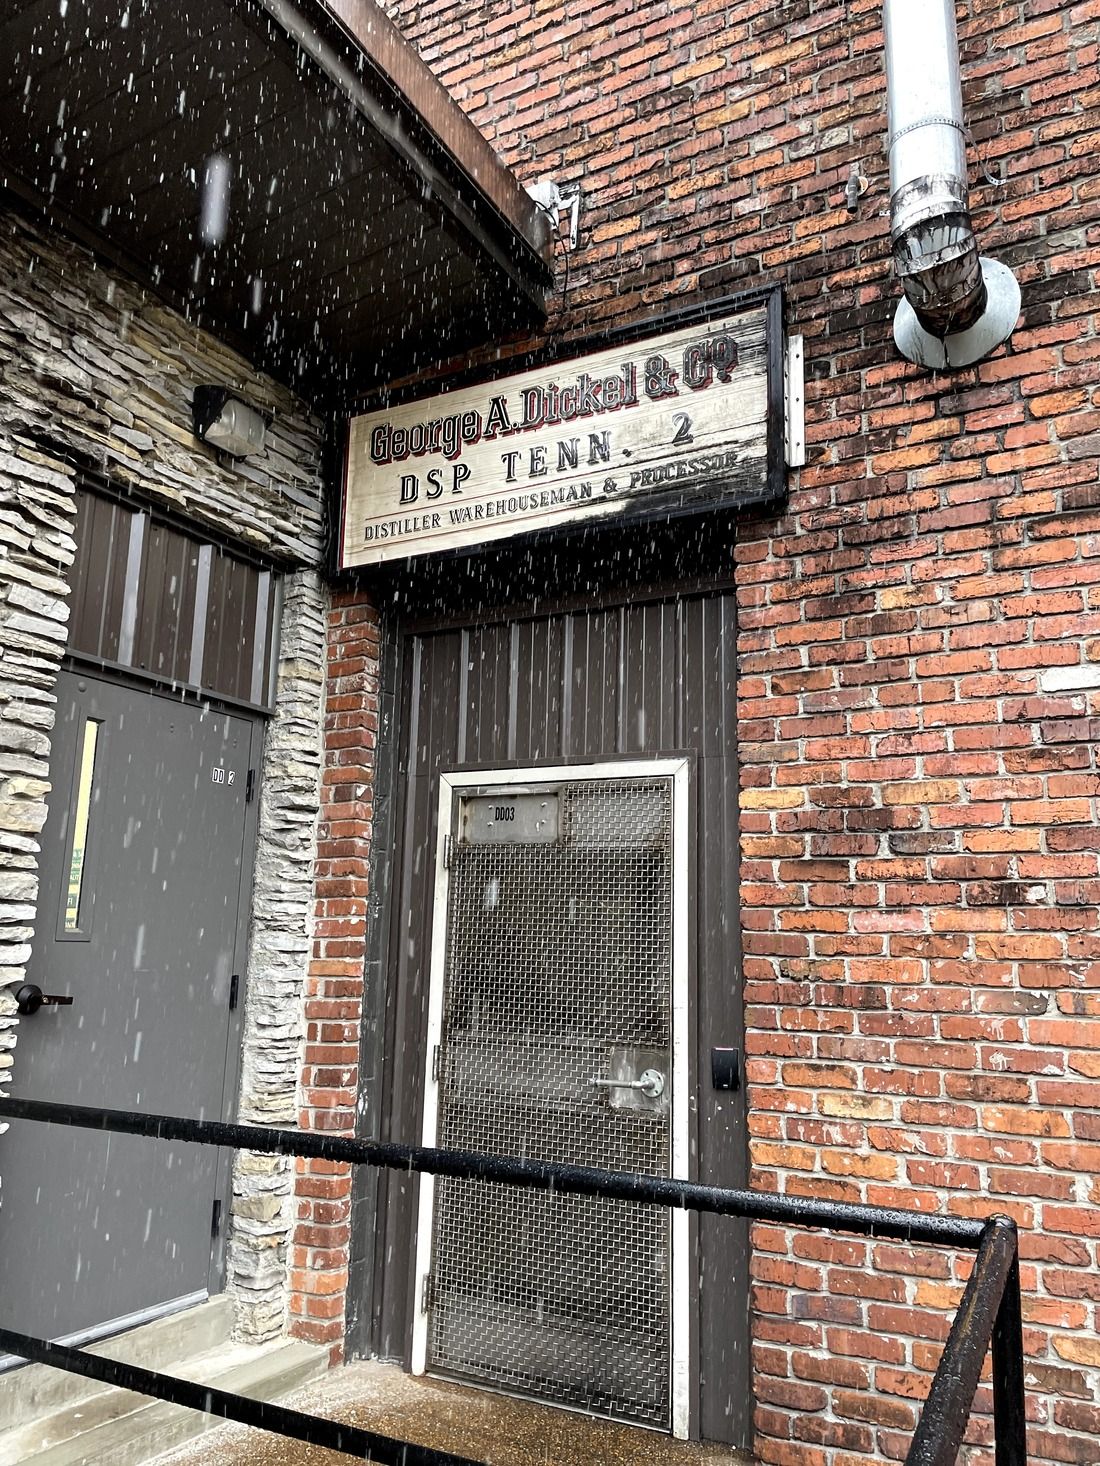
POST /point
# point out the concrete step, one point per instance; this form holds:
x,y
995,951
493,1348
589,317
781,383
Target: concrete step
x,y
476,1424
35,1391
126,1429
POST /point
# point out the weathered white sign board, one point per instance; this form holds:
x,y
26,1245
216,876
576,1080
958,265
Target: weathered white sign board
x,y
654,426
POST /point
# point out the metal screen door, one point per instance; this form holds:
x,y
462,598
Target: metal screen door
x,y
554,995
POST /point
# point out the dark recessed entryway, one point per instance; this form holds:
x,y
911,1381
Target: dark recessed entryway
x,y
596,944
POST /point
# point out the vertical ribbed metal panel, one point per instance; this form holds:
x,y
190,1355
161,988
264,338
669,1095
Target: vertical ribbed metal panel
x,y
98,576
538,649
485,689
230,627
429,739
593,721
651,690
142,601
166,611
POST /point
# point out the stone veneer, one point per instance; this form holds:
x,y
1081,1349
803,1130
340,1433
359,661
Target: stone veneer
x,y
278,959
94,371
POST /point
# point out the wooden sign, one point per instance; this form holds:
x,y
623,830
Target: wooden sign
x,y
644,428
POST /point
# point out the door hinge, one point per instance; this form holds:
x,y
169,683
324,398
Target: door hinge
x,y
448,850
216,1218
250,786
435,1063
427,1293
234,991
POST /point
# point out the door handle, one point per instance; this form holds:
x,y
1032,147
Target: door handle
x,y
651,1082
30,997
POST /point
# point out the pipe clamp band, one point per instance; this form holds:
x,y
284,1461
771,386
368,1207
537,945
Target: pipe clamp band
x,y
928,122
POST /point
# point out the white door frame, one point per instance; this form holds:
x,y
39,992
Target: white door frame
x,y
450,786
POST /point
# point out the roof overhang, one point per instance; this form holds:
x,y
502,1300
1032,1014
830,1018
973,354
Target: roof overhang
x,y
369,229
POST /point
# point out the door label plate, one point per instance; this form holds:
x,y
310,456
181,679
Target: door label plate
x,y
509,819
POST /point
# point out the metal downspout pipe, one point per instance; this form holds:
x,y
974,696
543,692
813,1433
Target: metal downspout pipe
x,y
958,306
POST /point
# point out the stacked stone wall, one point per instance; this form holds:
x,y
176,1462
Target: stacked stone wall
x,y
919,653
279,953
96,373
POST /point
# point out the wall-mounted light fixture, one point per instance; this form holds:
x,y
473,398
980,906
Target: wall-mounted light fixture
x,y
553,201
227,423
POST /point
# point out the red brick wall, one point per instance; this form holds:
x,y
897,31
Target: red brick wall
x,y
919,654
334,998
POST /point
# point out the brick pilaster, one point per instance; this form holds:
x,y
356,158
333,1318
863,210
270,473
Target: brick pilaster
x,y
334,997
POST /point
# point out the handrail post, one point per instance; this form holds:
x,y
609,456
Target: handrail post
x,y
1009,1417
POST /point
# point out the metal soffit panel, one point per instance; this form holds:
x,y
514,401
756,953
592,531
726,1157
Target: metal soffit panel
x,y
357,243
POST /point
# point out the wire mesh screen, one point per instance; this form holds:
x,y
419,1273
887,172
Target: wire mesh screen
x,y
558,972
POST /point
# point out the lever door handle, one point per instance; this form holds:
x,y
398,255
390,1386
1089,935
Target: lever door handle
x,y
30,997
651,1082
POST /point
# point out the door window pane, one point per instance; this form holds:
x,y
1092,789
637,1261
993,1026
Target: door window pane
x,y
85,774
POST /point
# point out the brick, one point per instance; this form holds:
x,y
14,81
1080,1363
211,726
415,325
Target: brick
x,y
866,1346
936,556
1025,1121
333,1008
877,1409
1082,1350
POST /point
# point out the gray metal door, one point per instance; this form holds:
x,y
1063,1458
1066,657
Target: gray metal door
x,y
555,988
142,895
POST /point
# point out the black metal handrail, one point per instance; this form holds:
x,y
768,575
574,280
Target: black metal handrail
x,y
989,1309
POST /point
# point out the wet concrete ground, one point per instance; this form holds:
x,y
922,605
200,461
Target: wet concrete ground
x,y
485,1427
